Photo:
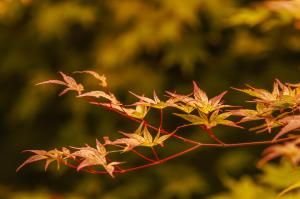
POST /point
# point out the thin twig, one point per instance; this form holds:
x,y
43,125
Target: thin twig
x,y
212,135
142,156
155,153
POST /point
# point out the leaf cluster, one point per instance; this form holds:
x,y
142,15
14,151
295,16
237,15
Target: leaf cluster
x,y
276,108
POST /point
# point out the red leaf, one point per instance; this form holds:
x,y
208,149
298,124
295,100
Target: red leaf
x,y
101,78
199,94
292,123
39,155
32,159
70,83
99,94
290,150
216,100
54,81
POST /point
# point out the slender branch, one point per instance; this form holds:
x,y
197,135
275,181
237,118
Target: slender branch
x,y
138,153
89,170
182,126
173,135
260,142
195,143
155,153
192,141
189,140
162,160
142,156
203,145
184,152
117,166
212,135
146,123
161,119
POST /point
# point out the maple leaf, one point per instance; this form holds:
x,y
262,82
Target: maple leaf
x,y
174,97
49,156
194,119
98,94
283,96
180,102
262,112
290,150
139,112
216,119
69,82
155,102
283,89
100,78
290,123
159,140
209,122
199,101
94,156
269,124
205,105
131,141
141,137
288,96
261,94
91,157
247,114
199,94
40,155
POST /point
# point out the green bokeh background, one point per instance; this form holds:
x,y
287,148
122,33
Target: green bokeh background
x,y
141,46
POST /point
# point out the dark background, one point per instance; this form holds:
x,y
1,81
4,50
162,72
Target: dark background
x,y
141,46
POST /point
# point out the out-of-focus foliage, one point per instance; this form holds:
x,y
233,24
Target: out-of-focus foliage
x,y
42,194
269,14
267,185
141,45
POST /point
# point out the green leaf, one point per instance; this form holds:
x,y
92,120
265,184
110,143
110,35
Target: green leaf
x,y
279,175
195,120
290,188
138,131
160,139
147,135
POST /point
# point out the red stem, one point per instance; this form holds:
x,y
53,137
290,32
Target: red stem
x,y
196,144
186,151
212,135
139,154
155,153
161,119
162,160
117,166
146,123
142,156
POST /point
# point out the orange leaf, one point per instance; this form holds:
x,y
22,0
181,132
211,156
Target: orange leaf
x,y
101,78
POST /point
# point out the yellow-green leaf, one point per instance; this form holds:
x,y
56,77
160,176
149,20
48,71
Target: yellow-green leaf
x,y
296,185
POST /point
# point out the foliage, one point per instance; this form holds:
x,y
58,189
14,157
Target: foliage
x,y
279,108
266,184
141,45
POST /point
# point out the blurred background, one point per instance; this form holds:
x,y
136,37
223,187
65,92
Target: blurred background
x,y
141,46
